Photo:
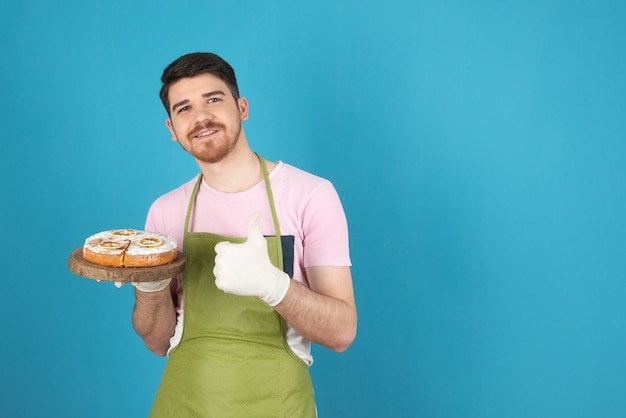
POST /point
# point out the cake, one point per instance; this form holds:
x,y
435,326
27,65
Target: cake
x,y
130,248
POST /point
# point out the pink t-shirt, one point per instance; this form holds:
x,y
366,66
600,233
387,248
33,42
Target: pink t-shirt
x,y
307,206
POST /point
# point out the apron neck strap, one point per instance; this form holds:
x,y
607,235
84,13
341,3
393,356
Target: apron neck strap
x,y
191,202
270,195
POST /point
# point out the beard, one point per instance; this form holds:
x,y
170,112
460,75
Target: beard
x,y
216,149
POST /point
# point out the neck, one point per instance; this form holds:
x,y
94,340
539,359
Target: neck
x,y
238,171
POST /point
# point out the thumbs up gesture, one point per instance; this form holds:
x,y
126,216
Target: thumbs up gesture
x,y
246,270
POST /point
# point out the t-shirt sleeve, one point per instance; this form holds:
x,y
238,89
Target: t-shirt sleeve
x,y
325,229
151,220
161,215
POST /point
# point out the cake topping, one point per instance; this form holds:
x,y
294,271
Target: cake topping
x,y
124,233
150,242
110,245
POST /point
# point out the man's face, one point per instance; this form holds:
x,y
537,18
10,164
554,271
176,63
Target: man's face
x,y
204,117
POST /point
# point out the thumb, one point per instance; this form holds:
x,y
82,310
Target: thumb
x,y
254,231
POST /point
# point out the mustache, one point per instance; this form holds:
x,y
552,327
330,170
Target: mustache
x,y
204,126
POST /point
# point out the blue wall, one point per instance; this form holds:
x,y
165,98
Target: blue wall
x,y
479,148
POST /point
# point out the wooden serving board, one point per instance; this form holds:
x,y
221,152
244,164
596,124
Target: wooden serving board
x,y
78,265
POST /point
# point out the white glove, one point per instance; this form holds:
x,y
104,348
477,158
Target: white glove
x,y
147,286
152,286
246,270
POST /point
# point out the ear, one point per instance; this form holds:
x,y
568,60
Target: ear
x,y
243,108
168,123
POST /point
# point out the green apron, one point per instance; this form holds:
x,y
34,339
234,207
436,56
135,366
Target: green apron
x,y
232,360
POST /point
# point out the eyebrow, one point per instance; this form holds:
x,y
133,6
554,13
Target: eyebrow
x,y
205,95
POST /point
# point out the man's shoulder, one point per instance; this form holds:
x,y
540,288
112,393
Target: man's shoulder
x,y
289,173
175,195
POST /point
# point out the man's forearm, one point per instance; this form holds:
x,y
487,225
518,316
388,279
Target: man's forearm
x,y
154,319
322,319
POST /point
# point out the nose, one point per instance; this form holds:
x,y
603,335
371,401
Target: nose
x,y
203,114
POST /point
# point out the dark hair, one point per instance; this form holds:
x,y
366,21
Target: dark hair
x,y
191,65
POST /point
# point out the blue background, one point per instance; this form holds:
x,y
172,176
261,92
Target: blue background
x,y
478,147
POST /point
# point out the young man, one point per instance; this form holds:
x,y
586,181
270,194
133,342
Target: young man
x,y
268,266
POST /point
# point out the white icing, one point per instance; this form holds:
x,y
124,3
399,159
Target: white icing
x,y
91,243
168,243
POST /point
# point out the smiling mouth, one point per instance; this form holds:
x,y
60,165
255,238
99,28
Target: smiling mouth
x,y
207,133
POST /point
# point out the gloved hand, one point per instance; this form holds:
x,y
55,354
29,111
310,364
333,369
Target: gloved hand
x,y
246,270
152,286
148,286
